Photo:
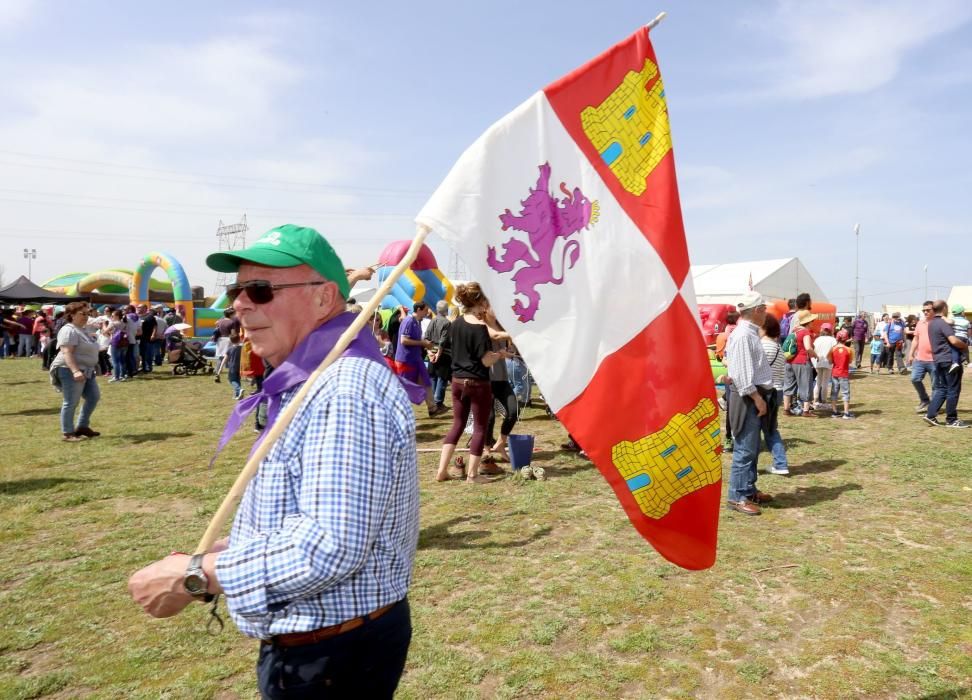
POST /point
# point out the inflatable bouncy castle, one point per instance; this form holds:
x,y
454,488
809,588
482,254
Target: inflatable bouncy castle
x,y
423,281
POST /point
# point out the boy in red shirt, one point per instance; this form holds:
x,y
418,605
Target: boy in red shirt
x,y
841,356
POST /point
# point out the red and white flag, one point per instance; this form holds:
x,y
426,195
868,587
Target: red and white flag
x,y
566,211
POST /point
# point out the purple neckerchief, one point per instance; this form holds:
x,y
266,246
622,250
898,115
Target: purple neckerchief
x,y
299,365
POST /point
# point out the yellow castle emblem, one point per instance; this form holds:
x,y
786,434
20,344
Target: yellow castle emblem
x,y
680,458
630,128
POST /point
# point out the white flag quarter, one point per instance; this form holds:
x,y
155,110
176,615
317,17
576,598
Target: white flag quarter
x,y
617,285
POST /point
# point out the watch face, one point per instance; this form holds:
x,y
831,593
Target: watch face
x,y
195,584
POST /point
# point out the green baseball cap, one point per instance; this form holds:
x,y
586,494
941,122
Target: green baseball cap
x,y
958,309
287,246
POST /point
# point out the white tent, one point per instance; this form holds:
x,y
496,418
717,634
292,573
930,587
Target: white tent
x,y
775,279
961,295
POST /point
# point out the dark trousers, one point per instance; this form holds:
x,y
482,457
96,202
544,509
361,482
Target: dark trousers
x,y
104,366
474,395
146,350
502,392
859,354
131,358
946,389
366,662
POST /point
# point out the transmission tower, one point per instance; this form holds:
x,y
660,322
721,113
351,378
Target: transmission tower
x,y
231,237
457,268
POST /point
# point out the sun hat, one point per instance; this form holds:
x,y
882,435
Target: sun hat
x,y
804,317
750,300
287,246
957,309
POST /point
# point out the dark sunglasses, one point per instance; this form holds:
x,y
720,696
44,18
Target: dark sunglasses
x,y
928,311
261,291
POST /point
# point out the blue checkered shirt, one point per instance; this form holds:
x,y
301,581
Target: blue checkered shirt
x,y
327,529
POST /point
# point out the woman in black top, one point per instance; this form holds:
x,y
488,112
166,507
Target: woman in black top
x,y
472,357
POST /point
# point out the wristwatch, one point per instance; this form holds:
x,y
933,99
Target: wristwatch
x,y
195,581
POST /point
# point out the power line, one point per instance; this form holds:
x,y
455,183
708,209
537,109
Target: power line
x,y
243,182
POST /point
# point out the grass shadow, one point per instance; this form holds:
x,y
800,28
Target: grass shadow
x,y
790,441
140,438
31,381
46,411
430,436
810,495
441,536
819,466
539,416
13,488
869,412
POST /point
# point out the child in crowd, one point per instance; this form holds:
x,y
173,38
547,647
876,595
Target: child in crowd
x,y
233,363
841,356
960,327
822,346
104,347
384,340
877,347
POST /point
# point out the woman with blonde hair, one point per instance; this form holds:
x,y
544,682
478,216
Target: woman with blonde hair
x,y
472,356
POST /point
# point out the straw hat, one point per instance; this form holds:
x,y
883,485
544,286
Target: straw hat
x,y
804,317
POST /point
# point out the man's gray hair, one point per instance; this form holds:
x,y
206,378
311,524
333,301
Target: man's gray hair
x,y
441,307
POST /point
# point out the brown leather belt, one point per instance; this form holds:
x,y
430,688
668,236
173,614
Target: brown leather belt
x,y
297,639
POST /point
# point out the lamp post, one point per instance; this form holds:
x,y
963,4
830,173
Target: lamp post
x,y
926,283
857,271
30,255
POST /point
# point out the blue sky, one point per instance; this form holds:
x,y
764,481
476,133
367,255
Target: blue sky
x,y
122,133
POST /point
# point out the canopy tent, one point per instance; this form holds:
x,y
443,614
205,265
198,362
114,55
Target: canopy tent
x,y
23,291
774,279
961,295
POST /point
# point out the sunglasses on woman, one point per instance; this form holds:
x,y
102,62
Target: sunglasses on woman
x,y
261,291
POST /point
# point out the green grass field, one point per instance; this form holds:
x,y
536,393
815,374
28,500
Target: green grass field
x,y
856,582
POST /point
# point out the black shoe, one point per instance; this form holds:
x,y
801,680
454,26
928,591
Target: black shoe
x,y
930,421
956,424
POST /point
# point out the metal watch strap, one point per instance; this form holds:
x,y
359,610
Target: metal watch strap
x,y
195,566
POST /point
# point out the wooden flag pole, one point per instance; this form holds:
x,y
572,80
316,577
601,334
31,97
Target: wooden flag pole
x,y
232,498
655,22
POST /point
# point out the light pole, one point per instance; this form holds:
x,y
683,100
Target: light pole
x,y
926,283
857,271
30,255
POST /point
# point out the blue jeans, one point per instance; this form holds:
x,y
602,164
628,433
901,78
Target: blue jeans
x,y
919,368
519,378
774,443
745,451
947,388
118,361
146,350
234,380
439,386
73,393
25,346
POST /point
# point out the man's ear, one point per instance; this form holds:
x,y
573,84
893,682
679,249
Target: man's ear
x,y
328,295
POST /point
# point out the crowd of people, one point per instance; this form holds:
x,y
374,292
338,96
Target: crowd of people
x,y
782,366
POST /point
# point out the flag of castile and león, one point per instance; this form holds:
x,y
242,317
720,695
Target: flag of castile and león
x,y
566,211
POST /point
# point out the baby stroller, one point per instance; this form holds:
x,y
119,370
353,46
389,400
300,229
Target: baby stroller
x,y
186,357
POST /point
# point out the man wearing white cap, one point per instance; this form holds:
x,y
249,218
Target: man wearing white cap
x,y
751,384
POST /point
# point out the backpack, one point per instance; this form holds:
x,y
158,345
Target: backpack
x,y
789,347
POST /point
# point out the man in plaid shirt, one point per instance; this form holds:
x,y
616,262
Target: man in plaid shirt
x,y
319,559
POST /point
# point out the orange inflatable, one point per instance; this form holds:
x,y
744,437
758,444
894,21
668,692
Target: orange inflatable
x,y
826,313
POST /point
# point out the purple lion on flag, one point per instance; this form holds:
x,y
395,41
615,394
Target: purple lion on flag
x,y
544,218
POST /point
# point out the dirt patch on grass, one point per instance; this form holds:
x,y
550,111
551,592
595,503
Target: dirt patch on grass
x,y
180,507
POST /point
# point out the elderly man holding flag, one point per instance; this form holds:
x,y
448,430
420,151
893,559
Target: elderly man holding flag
x,y
319,560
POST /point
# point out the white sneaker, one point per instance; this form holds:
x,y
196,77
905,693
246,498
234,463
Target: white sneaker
x,y
779,472
112,380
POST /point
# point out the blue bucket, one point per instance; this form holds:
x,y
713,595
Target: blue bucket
x,y
521,451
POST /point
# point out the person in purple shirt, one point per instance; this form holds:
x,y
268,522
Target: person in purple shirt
x,y
408,355
860,331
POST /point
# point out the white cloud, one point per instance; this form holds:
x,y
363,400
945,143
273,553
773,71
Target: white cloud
x,y
834,48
